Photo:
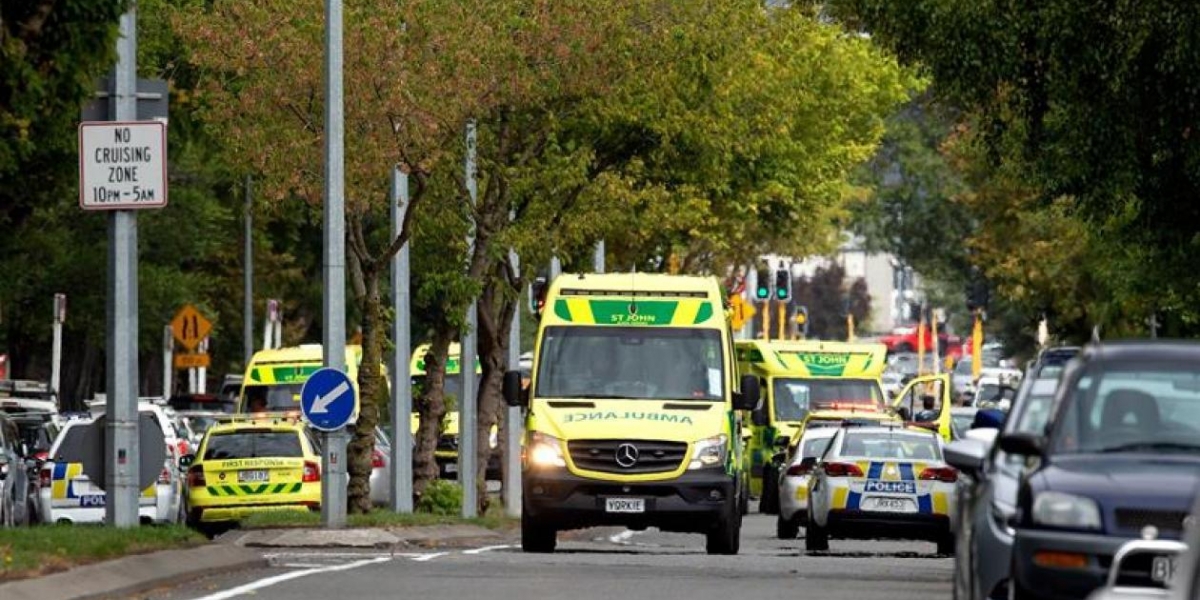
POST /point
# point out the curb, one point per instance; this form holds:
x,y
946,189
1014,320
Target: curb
x,y
134,574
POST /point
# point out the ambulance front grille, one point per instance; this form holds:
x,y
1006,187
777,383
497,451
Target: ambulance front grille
x,y
651,456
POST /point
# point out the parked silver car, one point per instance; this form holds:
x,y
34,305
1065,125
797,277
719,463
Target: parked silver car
x,y
14,476
793,481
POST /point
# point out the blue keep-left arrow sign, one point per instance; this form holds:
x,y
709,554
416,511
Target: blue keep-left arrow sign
x,y
328,400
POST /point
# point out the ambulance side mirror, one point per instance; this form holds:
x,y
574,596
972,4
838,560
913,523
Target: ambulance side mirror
x,y
749,395
513,395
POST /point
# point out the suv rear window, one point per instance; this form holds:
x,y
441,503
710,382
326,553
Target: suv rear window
x,y
253,444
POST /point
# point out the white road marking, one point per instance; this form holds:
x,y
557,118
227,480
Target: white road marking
x,y
428,557
487,549
301,565
270,581
341,554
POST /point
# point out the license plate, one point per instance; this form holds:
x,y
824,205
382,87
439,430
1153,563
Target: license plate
x,y
451,468
1162,569
92,500
625,505
890,487
253,477
901,505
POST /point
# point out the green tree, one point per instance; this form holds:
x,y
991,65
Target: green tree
x,y
1091,109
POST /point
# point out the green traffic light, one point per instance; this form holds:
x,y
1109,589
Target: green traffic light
x,y
763,293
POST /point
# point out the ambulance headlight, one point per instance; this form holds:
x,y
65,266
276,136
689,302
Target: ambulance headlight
x,y
709,452
544,451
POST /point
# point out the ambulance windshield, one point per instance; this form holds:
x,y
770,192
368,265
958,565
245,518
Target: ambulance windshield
x,y
631,363
794,398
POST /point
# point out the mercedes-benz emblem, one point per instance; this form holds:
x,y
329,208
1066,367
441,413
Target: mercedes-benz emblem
x,y
627,455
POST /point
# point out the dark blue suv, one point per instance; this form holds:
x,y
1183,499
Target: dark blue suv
x,y
1119,460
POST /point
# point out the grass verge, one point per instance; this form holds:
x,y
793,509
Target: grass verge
x,y
33,551
375,518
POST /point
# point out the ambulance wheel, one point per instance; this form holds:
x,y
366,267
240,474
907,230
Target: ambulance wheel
x,y
786,529
816,538
945,545
744,500
726,537
536,537
768,504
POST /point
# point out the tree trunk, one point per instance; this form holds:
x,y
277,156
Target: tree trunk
x,y
371,396
431,406
495,312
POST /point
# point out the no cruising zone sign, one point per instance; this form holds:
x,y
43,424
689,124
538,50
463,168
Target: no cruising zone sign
x,y
122,165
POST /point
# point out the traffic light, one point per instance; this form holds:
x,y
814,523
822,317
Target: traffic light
x,y
783,285
977,290
537,294
801,319
762,290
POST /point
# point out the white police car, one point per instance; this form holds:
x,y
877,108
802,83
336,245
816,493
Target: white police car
x,y
67,495
882,482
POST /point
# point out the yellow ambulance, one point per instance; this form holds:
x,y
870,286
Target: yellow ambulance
x,y
633,411
817,382
274,377
446,453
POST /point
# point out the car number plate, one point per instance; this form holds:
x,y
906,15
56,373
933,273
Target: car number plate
x,y
625,505
253,477
1162,569
885,504
451,468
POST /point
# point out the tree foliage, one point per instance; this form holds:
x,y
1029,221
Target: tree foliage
x,y
1089,110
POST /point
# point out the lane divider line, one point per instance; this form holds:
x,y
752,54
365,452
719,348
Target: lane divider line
x,y
487,549
428,557
270,581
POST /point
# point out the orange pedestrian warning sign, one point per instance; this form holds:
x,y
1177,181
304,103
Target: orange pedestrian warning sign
x,y
190,327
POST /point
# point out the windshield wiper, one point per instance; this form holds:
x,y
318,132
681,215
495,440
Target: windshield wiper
x,y
1134,446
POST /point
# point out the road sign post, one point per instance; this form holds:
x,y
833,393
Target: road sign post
x,y
328,402
333,309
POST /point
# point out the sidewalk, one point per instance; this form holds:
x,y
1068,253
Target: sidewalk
x,y
233,551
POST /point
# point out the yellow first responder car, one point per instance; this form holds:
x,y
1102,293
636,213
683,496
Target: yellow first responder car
x,y
251,466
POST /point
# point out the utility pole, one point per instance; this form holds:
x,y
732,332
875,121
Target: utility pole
x,y
598,257
401,405
60,316
514,417
168,357
248,278
468,436
333,346
121,438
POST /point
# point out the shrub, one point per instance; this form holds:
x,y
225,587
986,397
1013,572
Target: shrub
x,y
441,498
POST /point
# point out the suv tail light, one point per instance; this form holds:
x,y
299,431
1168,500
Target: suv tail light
x,y
945,474
44,477
196,476
376,459
312,472
836,469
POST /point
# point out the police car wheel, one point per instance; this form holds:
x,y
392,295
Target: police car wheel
x,y
537,537
816,539
786,529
